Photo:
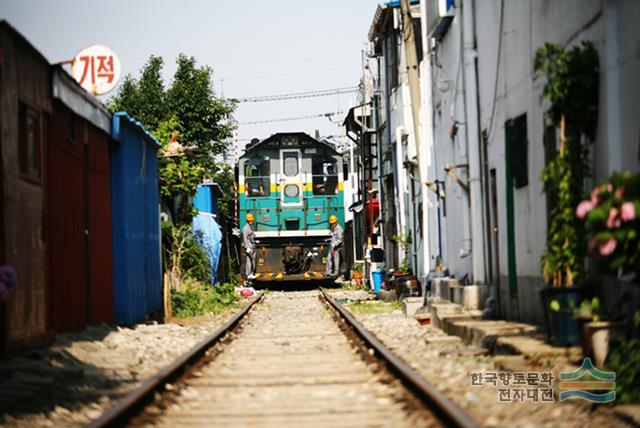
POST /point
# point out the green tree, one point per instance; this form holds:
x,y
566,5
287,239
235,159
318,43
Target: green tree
x,y
204,119
188,110
225,178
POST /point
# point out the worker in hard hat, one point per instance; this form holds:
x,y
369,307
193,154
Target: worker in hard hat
x,y
249,242
333,258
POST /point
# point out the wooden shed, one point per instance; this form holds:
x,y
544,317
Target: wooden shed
x,y
79,210
25,109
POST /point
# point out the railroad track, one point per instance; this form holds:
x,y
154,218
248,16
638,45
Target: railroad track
x,y
288,359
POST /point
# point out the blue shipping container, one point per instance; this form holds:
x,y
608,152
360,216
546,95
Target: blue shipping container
x,y
135,205
206,200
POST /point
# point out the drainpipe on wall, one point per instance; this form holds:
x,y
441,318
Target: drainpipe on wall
x,y
420,88
473,143
401,190
612,79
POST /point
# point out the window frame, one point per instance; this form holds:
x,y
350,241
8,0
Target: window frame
x,y
290,155
324,160
32,173
265,180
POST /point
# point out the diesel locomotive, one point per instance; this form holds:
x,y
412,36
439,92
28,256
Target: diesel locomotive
x,y
291,183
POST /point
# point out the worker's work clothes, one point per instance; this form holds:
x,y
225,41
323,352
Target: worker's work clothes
x,y
333,258
249,243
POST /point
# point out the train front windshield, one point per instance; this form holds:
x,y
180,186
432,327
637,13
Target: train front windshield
x,y
256,178
325,176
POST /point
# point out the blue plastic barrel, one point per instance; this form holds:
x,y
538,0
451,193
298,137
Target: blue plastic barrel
x,y
378,277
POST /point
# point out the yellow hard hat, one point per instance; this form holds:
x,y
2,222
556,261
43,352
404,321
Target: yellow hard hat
x,y
333,219
250,217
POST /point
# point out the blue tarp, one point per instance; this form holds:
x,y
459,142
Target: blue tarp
x,y
135,207
209,234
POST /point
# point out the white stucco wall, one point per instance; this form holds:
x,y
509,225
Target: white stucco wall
x,y
527,26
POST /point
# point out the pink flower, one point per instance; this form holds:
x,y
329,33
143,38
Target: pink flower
x,y
583,209
613,221
619,193
607,248
594,196
592,245
628,211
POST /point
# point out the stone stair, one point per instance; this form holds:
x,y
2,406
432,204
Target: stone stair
x,y
461,316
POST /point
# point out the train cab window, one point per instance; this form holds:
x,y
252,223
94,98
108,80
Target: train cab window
x,y
324,176
290,160
256,178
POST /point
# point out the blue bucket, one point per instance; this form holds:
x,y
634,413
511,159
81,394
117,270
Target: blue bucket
x,y
378,277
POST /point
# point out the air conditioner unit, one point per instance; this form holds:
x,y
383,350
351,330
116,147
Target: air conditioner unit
x,y
439,16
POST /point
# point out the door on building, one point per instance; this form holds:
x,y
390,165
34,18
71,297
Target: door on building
x,y
516,168
68,232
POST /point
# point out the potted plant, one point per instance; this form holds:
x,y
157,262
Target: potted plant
x,y
613,226
406,284
403,269
595,337
572,88
356,273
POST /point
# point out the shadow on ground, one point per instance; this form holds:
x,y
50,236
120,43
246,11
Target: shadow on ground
x,y
295,285
36,381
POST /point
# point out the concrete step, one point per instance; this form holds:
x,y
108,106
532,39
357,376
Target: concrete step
x,y
411,305
533,348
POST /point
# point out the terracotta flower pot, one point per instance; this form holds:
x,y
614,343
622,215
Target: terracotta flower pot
x,y
597,336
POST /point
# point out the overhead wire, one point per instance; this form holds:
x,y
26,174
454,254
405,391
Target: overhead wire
x,y
298,95
287,119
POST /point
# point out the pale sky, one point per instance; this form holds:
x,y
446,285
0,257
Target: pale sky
x,y
255,48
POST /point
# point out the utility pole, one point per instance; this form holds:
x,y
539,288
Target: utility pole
x,y
413,74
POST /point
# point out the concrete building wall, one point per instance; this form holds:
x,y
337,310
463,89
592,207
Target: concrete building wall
x,y
508,33
449,106
527,26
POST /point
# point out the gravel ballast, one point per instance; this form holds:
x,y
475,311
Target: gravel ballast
x,y
447,363
82,374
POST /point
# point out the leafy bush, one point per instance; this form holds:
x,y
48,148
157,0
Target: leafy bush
x,y
185,255
624,360
195,262
572,87
200,299
233,269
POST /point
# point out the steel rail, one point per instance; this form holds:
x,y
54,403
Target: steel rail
x,y
436,401
134,401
